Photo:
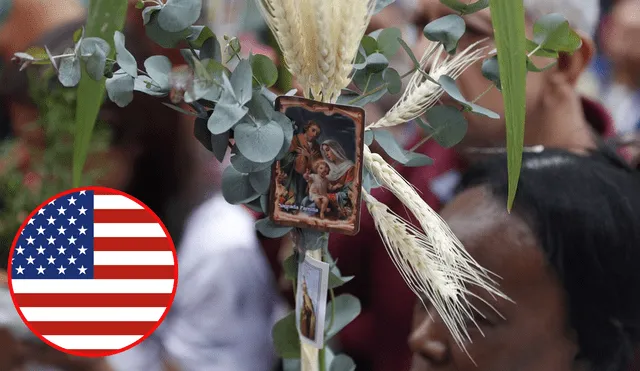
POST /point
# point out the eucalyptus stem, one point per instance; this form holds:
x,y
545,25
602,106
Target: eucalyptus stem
x,y
357,99
483,93
322,359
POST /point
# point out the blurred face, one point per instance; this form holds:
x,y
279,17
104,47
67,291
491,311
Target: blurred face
x,y
533,335
312,132
622,34
482,132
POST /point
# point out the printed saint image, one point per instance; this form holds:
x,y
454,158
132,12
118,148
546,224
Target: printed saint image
x,y
317,183
311,301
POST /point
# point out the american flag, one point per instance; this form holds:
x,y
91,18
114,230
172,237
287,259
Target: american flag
x,y
93,272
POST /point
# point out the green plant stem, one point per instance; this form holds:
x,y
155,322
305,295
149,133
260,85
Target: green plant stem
x,y
322,359
355,100
483,93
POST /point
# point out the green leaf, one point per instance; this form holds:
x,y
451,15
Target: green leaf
x,y
125,59
94,51
211,49
491,71
465,7
388,42
392,148
162,37
369,45
393,80
261,109
241,81
158,67
148,12
269,229
69,72
259,143
508,18
450,87
225,116
533,68
77,35
261,180
199,34
377,62
347,308
368,137
220,144
409,52
447,125
290,266
242,164
552,31
381,4
139,4
120,88
264,70
342,362
335,280
202,134
285,337
232,49
146,85
177,15
104,18
236,187
540,52
446,30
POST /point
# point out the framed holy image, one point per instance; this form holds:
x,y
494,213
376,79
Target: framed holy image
x,y
311,301
317,185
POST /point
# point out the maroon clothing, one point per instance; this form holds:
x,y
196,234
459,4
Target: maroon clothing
x,y
377,339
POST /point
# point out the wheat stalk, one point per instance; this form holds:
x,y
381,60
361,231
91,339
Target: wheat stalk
x,y
433,262
422,93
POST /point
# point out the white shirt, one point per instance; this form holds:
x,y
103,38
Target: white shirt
x,y
226,302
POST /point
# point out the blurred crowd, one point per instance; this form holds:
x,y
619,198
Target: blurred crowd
x,y
568,254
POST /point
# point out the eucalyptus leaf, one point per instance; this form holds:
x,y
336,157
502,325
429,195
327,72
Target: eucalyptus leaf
x,y
291,365
211,49
533,68
96,62
335,280
465,7
447,30
146,85
347,308
180,109
199,34
232,49
70,71
450,87
264,70
260,107
552,31
409,52
120,88
360,62
162,37
225,116
369,45
236,187
202,134
242,164
368,137
259,143
447,125
125,59
269,229
491,71
290,266
388,42
88,46
177,15
285,337
381,4
220,144
540,52
5,9
389,144
158,67
261,180
241,79
342,362
393,80
377,62
148,11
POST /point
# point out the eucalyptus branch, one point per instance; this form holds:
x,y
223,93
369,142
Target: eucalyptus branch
x,y
491,86
357,99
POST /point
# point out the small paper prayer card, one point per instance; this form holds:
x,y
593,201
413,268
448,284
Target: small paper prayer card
x,y
317,184
311,301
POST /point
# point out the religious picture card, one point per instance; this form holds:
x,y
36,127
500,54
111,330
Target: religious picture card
x,y
317,184
311,300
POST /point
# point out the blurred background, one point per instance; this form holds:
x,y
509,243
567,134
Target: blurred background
x,y
231,291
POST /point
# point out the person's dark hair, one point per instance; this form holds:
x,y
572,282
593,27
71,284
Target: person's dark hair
x,y
585,213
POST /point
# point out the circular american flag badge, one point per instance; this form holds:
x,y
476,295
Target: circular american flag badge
x,y
93,272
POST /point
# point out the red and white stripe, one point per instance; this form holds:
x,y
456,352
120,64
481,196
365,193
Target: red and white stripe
x,y
132,286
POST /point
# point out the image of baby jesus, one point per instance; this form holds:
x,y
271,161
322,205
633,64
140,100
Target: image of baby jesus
x,y
319,185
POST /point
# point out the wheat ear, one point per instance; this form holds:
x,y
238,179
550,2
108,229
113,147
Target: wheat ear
x,y
433,262
283,19
422,93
